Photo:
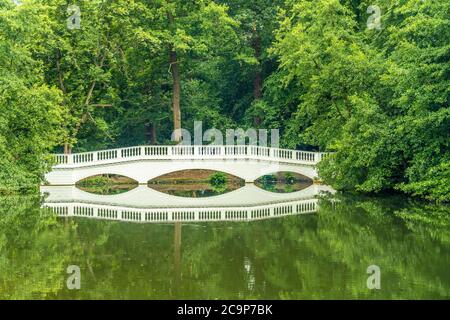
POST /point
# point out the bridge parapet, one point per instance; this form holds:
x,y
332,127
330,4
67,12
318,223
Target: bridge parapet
x,y
180,152
169,215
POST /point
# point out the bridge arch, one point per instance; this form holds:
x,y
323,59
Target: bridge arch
x,y
203,174
144,171
110,175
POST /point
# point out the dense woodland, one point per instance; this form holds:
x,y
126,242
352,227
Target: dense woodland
x,y
324,72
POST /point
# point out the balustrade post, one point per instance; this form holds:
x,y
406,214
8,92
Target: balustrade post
x,y
317,157
70,210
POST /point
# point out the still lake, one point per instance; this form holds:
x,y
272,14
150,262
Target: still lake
x,y
320,248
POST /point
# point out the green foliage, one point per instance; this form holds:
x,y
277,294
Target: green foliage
x,y
31,111
267,182
98,181
218,179
381,105
434,185
107,184
289,178
269,178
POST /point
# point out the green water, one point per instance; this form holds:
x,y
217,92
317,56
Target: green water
x,y
195,190
319,255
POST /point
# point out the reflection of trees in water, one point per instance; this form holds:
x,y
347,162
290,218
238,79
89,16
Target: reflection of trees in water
x,y
324,255
34,249
283,182
107,184
177,259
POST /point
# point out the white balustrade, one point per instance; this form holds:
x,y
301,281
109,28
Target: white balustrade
x,y
189,152
160,215
61,158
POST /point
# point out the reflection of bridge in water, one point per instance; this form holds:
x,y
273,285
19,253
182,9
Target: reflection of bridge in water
x,y
143,204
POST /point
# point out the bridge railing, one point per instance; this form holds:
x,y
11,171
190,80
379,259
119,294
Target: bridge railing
x,y
161,215
189,152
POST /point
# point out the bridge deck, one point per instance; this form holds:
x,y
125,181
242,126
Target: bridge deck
x,y
186,153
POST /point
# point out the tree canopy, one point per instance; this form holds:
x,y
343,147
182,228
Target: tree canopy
x,y
367,81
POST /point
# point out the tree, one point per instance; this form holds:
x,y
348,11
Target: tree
x,y
257,21
195,30
377,98
32,115
80,62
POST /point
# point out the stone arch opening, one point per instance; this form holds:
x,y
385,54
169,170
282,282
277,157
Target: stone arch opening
x,y
283,182
196,183
106,184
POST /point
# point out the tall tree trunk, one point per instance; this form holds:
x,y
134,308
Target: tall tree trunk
x,y
67,148
176,92
154,137
177,258
150,133
257,86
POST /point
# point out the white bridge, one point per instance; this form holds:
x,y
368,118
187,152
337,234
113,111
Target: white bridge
x,y
144,163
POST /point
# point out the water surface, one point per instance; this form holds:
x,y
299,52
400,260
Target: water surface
x,y
324,254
